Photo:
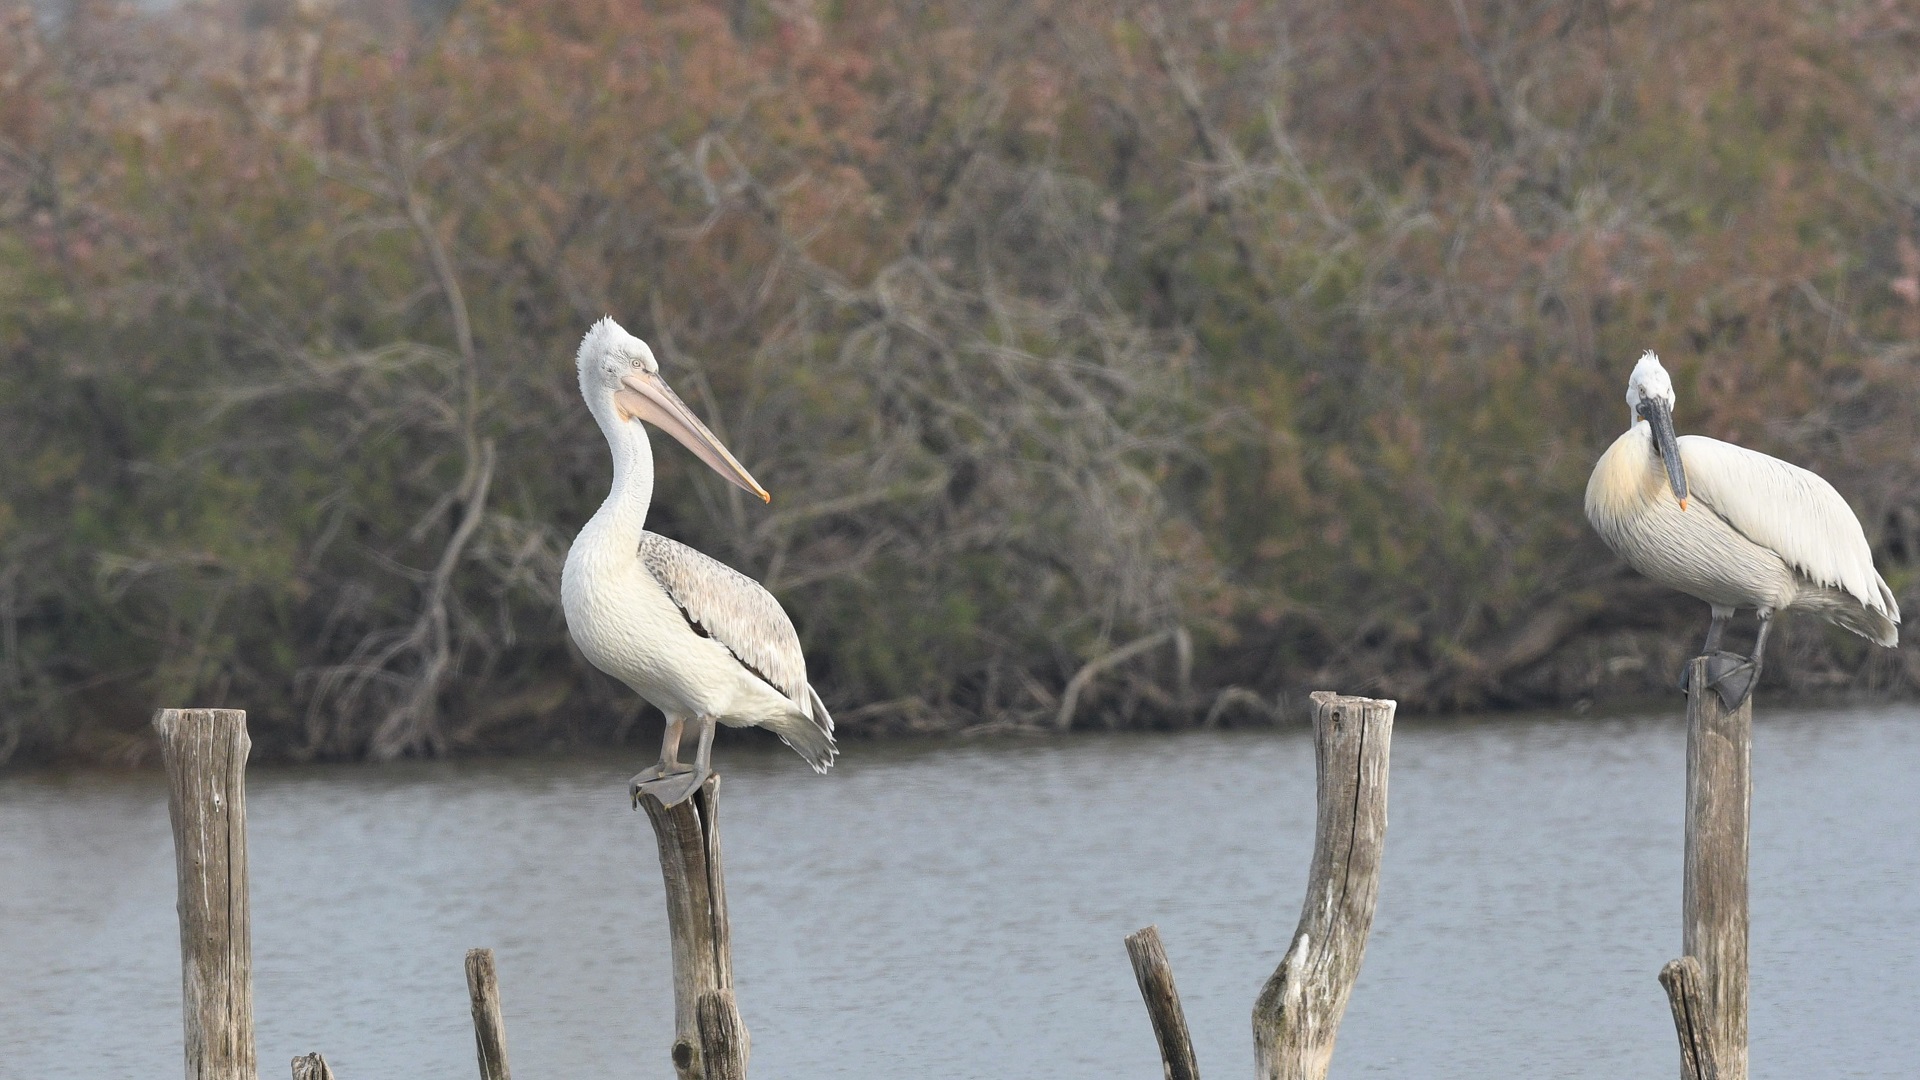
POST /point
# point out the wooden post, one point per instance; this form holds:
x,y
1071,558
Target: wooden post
x,y
1714,897
1297,1015
311,1067
723,1038
1155,975
1686,992
205,752
689,840
489,1028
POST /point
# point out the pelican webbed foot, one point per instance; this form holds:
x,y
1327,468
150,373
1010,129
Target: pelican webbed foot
x,y
671,788
648,779
671,782
1730,675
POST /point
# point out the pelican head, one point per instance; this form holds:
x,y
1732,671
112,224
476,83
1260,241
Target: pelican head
x,y
1650,398
621,381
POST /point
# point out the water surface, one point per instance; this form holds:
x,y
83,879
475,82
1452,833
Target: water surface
x,y
957,910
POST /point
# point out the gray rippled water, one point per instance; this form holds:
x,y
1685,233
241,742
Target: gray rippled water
x,y
956,910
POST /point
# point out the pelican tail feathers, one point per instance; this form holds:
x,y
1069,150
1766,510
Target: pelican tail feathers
x,y
810,736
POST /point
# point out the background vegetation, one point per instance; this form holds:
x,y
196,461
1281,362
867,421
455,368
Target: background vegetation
x,y
1110,363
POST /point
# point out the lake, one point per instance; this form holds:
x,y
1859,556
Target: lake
x,y
956,909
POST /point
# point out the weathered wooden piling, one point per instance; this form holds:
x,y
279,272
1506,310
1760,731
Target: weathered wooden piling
x,y
489,1027
205,753
1713,1031
710,1041
1155,976
1297,1014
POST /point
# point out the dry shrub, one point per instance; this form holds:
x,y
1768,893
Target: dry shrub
x,y
1270,343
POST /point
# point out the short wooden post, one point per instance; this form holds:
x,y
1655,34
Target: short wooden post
x,y
690,864
1155,975
1687,993
1297,1014
723,1038
311,1067
489,1028
205,752
1714,896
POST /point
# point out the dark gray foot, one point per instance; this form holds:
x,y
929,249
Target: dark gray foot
x,y
1719,663
1732,677
1729,674
671,788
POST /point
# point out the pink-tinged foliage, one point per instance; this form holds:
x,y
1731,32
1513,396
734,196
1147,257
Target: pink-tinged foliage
x,y
1052,326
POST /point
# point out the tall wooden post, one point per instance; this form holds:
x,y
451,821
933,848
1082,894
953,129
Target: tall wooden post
x,y
205,752
1297,1014
689,840
1714,896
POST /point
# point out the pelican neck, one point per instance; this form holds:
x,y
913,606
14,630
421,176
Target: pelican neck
x,y
623,515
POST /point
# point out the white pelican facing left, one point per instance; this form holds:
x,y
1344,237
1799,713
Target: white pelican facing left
x,y
1735,528
694,637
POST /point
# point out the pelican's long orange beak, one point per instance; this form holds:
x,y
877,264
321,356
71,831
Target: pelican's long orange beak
x,y
646,396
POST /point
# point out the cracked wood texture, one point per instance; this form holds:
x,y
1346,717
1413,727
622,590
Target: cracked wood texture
x,y
489,1027
1155,975
690,865
1714,901
1297,1014
205,753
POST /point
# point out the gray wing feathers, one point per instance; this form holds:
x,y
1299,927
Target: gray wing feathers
x,y
733,609
1791,511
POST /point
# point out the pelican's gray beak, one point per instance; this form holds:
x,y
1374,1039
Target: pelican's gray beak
x,y
1660,415
646,396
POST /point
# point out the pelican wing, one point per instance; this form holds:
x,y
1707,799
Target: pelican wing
x,y
1793,512
731,608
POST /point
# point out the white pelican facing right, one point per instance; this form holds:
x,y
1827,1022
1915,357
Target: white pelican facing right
x,y
1735,528
692,636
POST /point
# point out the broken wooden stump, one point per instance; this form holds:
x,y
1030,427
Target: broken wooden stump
x,y
1155,975
311,1067
1297,1014
1687,994
489,1027
723,1038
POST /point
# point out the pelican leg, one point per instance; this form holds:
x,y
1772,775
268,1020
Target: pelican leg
x,y
1711,649
1734,681
1714,629
669,763
678,785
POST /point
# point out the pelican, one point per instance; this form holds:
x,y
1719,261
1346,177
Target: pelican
x,y
1735,528
694,637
